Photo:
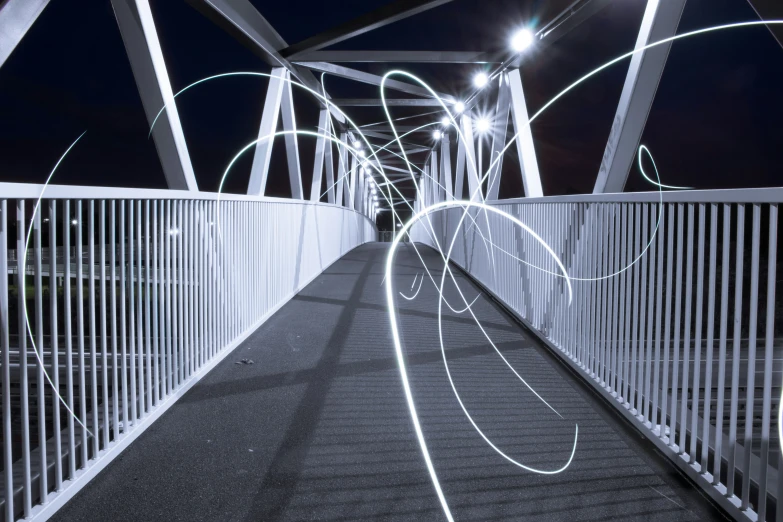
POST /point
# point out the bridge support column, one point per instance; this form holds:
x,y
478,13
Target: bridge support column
x,y
278,100
137,27
468,157
531,178
660,21
320,153
445,167
499,128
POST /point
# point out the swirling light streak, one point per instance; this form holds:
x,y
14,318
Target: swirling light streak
x,y
23,288
396,337
481,205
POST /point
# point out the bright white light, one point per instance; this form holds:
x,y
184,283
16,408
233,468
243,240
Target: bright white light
x,y
480,80
173,232
521,40
365,171
445,121
361,154
459,107
437,134
74,222
357,145
399,225
374,191
482,124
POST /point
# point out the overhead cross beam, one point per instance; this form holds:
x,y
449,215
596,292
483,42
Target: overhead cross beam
x,y
377,102
392,56
373,79
385,15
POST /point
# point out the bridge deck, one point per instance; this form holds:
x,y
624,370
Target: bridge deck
x,y
317,428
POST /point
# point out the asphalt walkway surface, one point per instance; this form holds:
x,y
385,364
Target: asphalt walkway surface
x,y
318,427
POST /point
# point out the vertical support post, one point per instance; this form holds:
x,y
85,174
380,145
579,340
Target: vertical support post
x,y
445,167
459,172
531,178
470,159
320,151
137,27
291,141
328,159
438,192
499,128
263,154
660,21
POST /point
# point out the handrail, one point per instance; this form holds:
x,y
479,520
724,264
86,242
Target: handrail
x,y
754,195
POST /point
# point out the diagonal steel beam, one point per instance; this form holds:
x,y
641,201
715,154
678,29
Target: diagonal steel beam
x,y
241,20
385,15
392,56
770,10
16,18
373,79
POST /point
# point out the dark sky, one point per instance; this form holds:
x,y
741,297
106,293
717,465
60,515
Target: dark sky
x,y
715,123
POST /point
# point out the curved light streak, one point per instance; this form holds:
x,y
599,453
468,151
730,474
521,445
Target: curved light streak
x,y
23,288
417,290
643,148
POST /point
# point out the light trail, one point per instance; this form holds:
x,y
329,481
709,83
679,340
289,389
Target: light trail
x,y
23,287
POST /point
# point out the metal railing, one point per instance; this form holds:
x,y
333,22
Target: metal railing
x,y
159,286
673,321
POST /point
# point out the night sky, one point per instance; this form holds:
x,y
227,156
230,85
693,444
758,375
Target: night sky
x,y
715,122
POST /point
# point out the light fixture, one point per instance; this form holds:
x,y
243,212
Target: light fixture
x,y
399,225
482,124
365,171
357,144
173,232
437,134
374,191
445,121
74,222
480,79
361,154
521,40
459,107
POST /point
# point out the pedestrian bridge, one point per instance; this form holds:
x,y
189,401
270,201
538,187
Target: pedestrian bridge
x,y
395,341
251,374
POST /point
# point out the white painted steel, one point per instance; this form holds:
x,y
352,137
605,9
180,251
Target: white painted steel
x,y
164,303
644,337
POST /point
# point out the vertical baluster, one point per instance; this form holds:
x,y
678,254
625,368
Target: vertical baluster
x,y
155,330
724,314
147,306
654,418
766,407
705,446
93,328
670,284
140,310
24,385
131,313
104,344
691,455
5,347
67,223
750,385
123,322
115,406
686,345
677,325
38,346
635,300
53,332
735,363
